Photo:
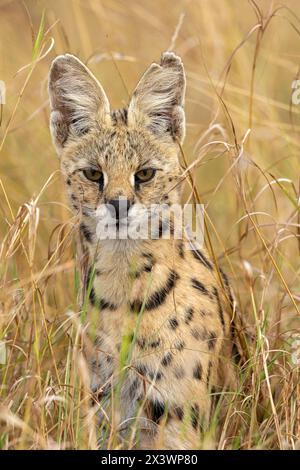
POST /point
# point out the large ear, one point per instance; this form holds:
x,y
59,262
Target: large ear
x,y
77,100
158,100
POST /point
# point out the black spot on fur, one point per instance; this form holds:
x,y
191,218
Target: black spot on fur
x,y
198,371
103,304
220,310
153,376
199,256
167,359
195,415
95,364
157,410
198,285
212,338
86,232
189,315
181,249
158,298
109,359
208,373
100,303
68,182
136,306
92,297
179,345
149,256
173,323
147,268
236,356
85,212
145,372
142,370
178,412
141,342
155,343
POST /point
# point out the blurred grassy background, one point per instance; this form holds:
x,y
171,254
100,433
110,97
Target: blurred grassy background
x,y
241,58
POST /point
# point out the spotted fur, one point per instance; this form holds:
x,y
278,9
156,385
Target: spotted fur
x,y
165,299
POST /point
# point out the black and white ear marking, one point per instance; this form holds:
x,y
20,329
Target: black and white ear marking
x,y
77,100
158,100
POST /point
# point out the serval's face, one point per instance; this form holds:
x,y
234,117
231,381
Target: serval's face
x,y
127,157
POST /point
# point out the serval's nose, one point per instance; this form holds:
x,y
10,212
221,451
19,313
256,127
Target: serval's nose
x,y
119,208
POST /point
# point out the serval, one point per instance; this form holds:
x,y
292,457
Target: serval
x,y
162,297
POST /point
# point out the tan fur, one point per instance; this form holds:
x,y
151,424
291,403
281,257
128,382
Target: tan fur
x,y
170,301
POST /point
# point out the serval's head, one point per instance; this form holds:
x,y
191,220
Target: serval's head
x,y
130,154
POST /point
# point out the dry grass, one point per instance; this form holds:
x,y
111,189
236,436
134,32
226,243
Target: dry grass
x,y
243,142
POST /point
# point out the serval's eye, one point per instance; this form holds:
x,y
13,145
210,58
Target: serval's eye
x,y
93,175
145,175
